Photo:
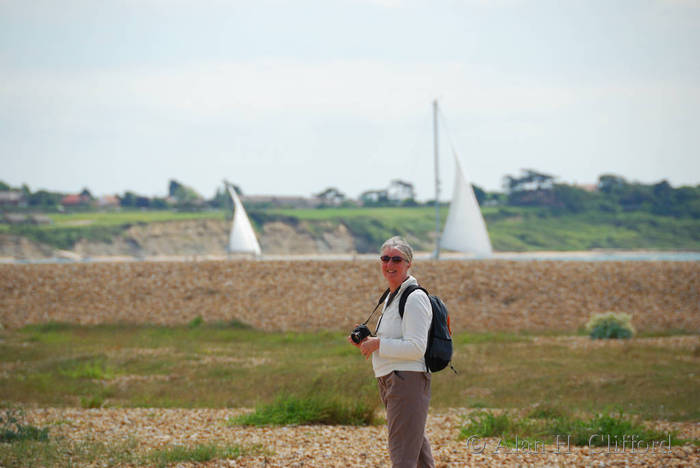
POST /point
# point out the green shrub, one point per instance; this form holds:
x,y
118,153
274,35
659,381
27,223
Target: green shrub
x,y
547,424
610,325
618,428
320,409
12,428
95,401
233,323
196,322
486,424
91,368
546,412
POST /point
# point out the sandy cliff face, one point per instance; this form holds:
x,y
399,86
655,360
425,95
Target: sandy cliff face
x,y
281,238
21,248
192,237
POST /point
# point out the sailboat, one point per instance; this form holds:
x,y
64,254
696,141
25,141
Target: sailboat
x,y
465,228
242,238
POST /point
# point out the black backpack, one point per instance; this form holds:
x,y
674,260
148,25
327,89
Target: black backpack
x,y
438,353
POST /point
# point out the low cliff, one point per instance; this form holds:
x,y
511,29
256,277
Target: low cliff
x,y
190,237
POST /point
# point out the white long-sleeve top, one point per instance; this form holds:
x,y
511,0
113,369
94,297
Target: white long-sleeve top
x,y
402,342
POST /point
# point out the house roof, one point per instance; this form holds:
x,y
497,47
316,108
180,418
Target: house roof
x,y
73,199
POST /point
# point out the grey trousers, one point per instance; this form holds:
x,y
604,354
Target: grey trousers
x,y
406,396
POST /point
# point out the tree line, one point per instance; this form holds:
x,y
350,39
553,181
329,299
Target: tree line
x,y
611,194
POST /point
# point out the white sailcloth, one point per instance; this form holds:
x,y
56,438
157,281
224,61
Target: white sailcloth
x,y
242,238
465,228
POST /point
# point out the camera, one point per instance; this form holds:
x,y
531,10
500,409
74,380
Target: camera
x,y
360,333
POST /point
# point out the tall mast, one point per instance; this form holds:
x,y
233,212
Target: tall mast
x,y
436,254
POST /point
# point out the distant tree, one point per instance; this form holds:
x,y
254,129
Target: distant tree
x,y
132,200
571,199
4,186
399,192
331,197
174,187
479,193
530,180
687,201
374,198
221,198
610,183
143,202
128,200
663,202
45,199
531,188
158,203
183,194
86,193
636,197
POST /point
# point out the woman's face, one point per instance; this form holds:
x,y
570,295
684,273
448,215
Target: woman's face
x,y
395,273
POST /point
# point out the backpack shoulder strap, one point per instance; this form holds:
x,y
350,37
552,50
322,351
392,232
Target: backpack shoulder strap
x,y
404,297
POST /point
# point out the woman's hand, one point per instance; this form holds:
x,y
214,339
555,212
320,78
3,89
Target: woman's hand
x,y
369,345
357,345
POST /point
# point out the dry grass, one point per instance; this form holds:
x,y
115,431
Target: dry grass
x,y
315,295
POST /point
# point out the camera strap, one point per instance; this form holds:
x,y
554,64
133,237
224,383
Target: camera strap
x,y
381,299
391,298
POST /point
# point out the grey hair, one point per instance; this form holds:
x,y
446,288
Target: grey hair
x,y
401,245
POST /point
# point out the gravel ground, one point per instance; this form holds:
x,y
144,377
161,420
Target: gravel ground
x,y
493,295
333,446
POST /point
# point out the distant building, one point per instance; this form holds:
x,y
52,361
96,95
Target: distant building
x,y
11,198
108,201
75,200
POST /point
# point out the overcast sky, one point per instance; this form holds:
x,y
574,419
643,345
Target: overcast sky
x,y
291,97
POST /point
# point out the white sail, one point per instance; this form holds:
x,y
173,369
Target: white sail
x,y
465,228
242,238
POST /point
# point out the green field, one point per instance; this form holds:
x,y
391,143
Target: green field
x,y
510,228
229,365
518,229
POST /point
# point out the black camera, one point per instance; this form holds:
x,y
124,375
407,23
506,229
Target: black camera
x,y
360,333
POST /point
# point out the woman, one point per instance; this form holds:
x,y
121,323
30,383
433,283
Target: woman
x,y
397,358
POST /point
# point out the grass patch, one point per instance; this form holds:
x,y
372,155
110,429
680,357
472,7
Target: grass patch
x,y
13,429
320,409
198,454
48,327
231,365
90,368
64,452
549,425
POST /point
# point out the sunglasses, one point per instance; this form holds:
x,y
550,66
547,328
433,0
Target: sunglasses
x,y
395,259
